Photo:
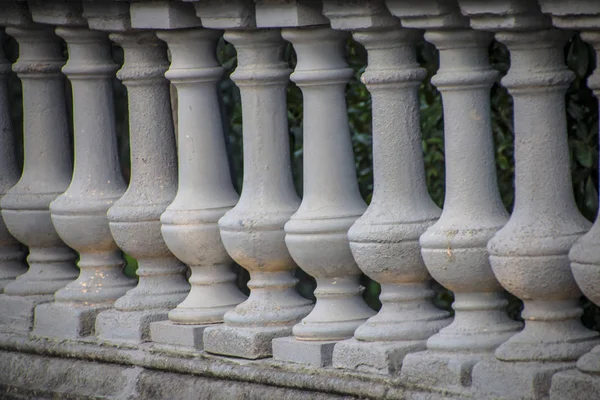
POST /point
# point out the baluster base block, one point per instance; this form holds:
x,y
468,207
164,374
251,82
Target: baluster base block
x,y
317,353
250,343
575,385
16,312
66,320
127,327
504,380
374,357
441,370
168,333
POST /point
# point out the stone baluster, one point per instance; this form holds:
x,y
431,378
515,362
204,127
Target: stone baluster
x,y
252,231
316,234
205,193
79,214
454,248
529,255
11,255
135,217
584,382
46,174
384,241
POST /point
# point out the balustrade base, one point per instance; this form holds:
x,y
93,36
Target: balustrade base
x,y
76,321
17,312
127,327
442,370
168,333
575,385
502,380
250,343
317,354
374,357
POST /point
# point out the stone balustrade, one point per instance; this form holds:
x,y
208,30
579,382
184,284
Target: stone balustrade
x,y
73,324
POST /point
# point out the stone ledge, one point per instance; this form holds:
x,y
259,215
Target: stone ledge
x,y
23,362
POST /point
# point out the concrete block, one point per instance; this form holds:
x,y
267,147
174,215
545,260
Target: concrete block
x,y
289,13
452,371
163,14
374,357
575,385
166,332
251,343
218,14
501,380
122,327
16,312
65,320
112,17
317,354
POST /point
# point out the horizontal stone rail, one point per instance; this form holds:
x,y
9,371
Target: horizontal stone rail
x,y
73,325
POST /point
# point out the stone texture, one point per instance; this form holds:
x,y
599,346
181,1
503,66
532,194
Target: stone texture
x,y
288,13
166,332
205,192
316,234
252,231
233,14
46,174
378,357
162,14
12,263
575,385
135,217
314,353
17,312
65,320
117,327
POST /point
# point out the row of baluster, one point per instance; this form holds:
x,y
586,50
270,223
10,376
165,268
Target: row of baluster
x,y
180,206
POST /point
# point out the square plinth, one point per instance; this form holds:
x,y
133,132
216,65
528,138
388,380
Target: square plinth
x,y
65,320
442,370
168,333
289,349
250,343
575,385
16,312
374,357
127,327
503,380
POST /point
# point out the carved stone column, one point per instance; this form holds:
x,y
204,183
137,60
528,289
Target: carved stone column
x,y
79,214
529,255
384,241
46,174
583,382
454,248
11,254
317,234
206,193
135,217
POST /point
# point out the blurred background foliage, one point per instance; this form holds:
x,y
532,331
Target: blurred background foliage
x,y
582,118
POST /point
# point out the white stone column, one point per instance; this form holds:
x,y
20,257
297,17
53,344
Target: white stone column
x,y
46,174
454,248
11,254
205,194
97,182
529,255
135,217
384,241
317,234
252,231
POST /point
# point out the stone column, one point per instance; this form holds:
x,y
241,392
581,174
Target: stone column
x,y
454,248
46,174
97,182
317,234
529,255
205,194
11,254
135,217
384,241
252,231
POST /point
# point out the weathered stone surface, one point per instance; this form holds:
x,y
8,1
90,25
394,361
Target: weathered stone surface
x,y
317,234
166,332
252,231
289,13
232,14
17,312
65,320
358,15
314,353
115,326
111,15
12,263
162,14
575,385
